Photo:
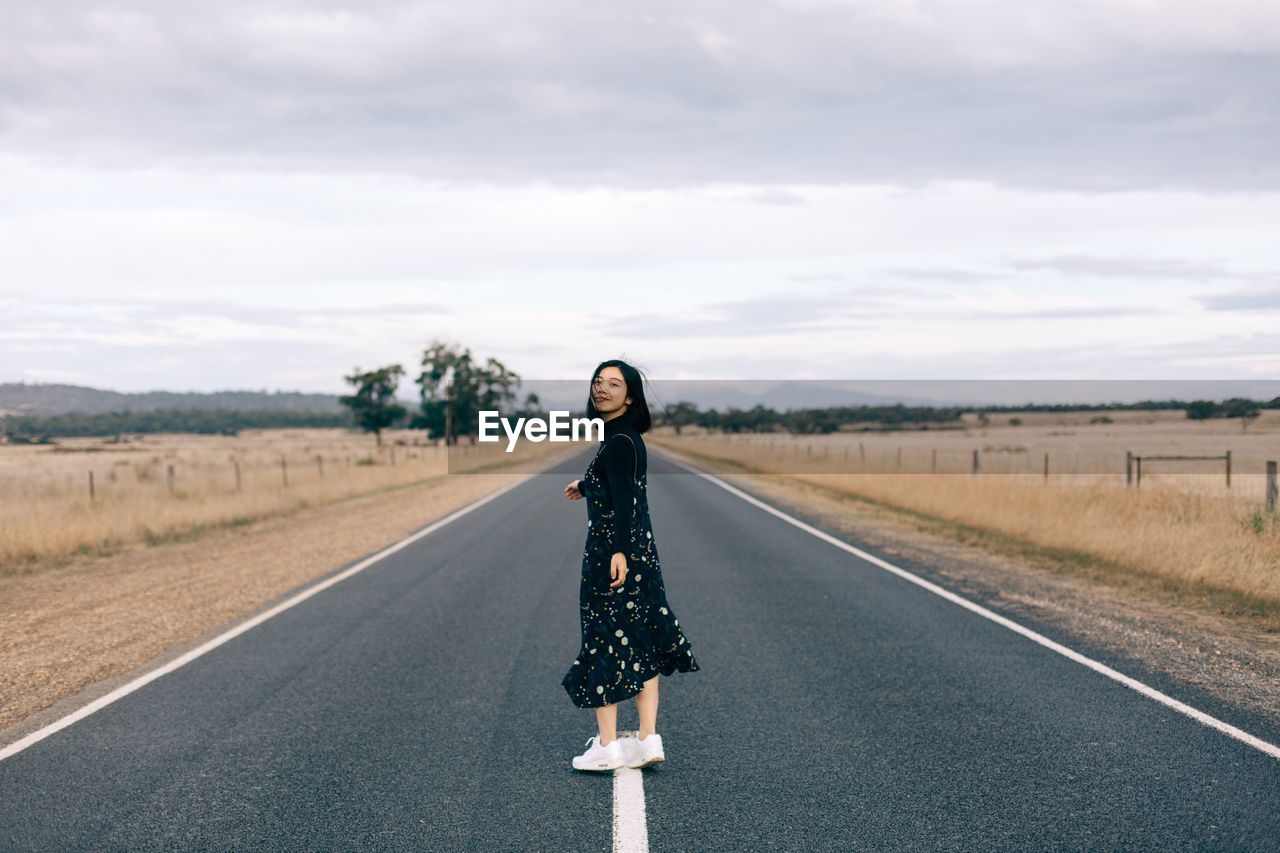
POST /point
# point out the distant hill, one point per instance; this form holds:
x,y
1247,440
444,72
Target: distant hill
x,y
40,399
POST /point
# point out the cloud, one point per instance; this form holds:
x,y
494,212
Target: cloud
x,y
954,279
1166,367
1218,358
1257,299
770,314
949,274
1066,312
1100,95
777,195
1126,267
1095,266
831,315
136,322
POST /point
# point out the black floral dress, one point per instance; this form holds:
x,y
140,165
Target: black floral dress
x,y
629,633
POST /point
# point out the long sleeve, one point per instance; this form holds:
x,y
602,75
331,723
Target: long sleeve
x,y
619,460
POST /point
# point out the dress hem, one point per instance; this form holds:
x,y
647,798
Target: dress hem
x,y
685,665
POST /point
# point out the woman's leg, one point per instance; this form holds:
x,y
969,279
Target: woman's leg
x,y
647,707
607,722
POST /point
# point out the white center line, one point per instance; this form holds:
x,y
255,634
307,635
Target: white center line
x,y
1150,692
630,830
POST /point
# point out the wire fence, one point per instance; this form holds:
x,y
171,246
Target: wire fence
x,y
1247,473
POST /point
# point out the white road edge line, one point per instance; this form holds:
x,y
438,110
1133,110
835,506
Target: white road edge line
x,y
630,829
125,689
1150,692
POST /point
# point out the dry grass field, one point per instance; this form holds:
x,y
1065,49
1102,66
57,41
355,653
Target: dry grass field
x,y
159,488
1182,525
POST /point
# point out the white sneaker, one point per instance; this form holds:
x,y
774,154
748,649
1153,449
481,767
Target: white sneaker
x,y
599,757
642,753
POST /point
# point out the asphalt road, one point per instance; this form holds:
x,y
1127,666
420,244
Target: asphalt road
x,y
417,705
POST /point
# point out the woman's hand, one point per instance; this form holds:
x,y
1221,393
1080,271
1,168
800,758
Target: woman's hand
x,y
572,492
618,569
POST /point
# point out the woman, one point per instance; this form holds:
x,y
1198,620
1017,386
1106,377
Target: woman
x,y
629,632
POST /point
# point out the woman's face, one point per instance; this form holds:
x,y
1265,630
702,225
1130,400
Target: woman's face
x,y
609,389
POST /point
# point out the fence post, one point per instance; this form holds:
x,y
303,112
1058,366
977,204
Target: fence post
x,y
1271,484
862,453
1128,468
91,482
1228,469
1046,466
899,462
236,463
1137,464
975,461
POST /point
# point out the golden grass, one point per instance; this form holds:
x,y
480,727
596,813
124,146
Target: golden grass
x,y
1184,528
46,512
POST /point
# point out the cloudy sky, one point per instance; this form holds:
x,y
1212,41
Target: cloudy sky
x,y
266,195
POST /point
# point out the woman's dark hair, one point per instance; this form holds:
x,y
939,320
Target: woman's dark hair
x,y
637,413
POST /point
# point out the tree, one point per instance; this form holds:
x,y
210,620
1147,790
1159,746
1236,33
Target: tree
x,y
681,414
1242,408
1199,410
373,405
454,390
439,364
494,392
532,406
